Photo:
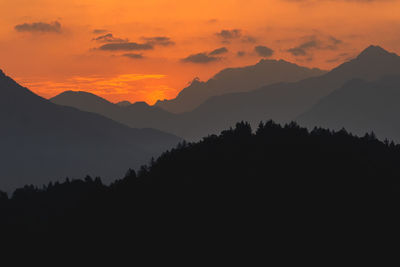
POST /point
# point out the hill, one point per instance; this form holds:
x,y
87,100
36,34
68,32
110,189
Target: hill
x,y
236,182
41,141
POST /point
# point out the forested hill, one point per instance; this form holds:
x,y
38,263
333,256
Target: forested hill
x,y
241,172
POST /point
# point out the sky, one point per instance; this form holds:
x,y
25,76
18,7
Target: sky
x,y
150,50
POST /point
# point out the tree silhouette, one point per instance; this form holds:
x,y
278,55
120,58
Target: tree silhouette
x,y
3,196
236,178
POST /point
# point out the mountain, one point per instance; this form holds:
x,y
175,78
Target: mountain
x,y
137,115
360,107
41,141
233,80
124,103
282,102
86,102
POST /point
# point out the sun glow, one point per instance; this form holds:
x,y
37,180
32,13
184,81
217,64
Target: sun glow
x,y
96,45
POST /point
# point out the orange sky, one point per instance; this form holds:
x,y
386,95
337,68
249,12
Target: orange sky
x,y
50,57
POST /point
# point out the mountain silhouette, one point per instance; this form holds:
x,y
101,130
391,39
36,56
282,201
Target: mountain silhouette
x,y
85,101
124,103
223,183
359,107
233,80
41,141
281,102
137,115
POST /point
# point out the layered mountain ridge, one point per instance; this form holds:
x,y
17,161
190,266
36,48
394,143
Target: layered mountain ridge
x,y
282,102
232,80
42,141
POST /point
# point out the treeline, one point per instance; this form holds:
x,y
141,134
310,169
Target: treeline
x,y
241,174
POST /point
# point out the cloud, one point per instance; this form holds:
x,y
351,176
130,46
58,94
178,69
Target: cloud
x,y
302,49
241,53
314,42
109,38
159,40
263,51
333,43
206,57
99,31
229,34
127,46
200,58
249,39
340,58
133,56
218,51
41,27
118,44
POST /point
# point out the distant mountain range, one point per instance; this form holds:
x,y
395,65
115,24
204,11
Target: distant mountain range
x,y
360,107
234,80
283,102
41,141
137,115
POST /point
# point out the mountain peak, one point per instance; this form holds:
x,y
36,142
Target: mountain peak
x,y
78,94
140,104
266,61
75,93
373,52
124,103
78,99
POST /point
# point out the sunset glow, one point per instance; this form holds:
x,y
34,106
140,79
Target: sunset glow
x,y
150,50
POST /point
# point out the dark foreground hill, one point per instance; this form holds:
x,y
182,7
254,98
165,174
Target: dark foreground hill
x,y
41,141
279,183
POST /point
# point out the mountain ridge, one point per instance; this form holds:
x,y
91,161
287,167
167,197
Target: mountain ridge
x,y
46,141
282,102
375,50
360,106
231,80
136,115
